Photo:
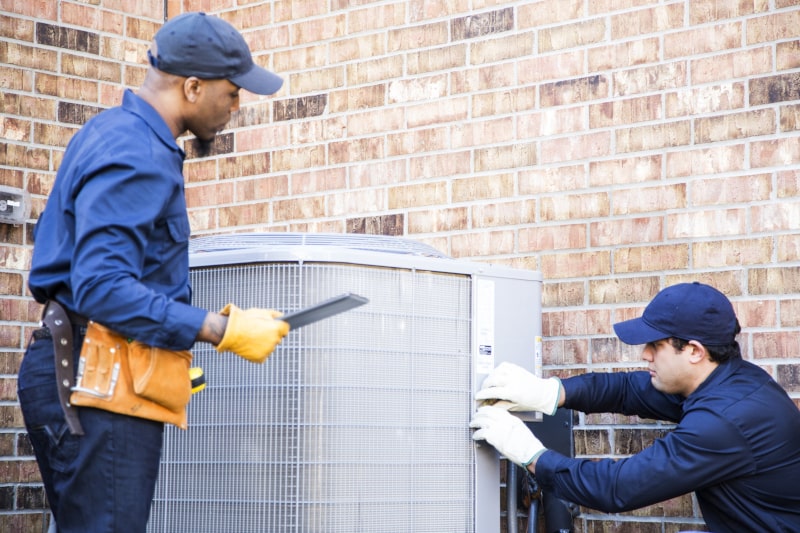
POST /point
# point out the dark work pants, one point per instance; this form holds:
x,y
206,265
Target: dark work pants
x,y
100,482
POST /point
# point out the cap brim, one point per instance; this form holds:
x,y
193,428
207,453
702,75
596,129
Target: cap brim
x,y
637,331
259,81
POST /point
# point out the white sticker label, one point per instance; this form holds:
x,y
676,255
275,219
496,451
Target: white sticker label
x,y
484,326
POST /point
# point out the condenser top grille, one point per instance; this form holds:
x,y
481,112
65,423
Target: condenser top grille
x,y
374,243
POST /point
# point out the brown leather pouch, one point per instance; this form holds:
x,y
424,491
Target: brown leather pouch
x,y
132,378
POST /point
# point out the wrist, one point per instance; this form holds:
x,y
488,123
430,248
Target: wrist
x,y
531,464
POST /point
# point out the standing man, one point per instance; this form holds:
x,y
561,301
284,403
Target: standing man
x,y
112,247
737,439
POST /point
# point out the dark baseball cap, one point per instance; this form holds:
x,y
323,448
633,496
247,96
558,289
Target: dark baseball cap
x,y
688,311
207,47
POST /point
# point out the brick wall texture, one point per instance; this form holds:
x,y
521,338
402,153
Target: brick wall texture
x,y
618,146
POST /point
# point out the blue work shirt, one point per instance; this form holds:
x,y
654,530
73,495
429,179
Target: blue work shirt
x,y
736,444
112,242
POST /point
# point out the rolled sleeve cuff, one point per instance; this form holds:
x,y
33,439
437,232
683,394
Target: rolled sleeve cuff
x,y
182,325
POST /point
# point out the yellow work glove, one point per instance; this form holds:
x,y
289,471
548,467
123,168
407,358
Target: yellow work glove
x,y
252,334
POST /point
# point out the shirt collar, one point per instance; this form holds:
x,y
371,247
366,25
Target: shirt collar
x,y
718,375
133,103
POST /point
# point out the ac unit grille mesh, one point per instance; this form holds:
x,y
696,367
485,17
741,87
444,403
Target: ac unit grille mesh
x,y
358,423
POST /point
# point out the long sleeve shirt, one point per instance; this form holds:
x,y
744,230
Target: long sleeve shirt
x,y
736,445
112,242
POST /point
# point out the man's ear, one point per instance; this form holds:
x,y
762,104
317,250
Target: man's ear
x,y
699,352
192,87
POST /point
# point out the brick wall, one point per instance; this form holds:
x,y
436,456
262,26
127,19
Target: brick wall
x,y
618,146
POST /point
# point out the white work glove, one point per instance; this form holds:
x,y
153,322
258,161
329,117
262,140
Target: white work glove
x,y
522,389
508,434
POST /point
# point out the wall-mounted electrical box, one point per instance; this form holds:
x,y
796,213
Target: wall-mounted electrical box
x,y
15,205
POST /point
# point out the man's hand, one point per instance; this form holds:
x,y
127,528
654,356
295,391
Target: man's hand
x,y
508,434
525,391
252,334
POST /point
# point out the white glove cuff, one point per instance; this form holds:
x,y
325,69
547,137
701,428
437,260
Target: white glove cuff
x,y
554,388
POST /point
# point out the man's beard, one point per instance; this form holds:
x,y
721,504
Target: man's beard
x,y
203,147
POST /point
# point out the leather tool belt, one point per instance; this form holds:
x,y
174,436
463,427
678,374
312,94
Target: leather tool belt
x,y
131,378
60,323
117,374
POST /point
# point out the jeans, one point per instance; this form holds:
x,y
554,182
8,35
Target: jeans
x,y
100,482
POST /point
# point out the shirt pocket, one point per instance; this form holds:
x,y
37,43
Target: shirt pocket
x,y
178,228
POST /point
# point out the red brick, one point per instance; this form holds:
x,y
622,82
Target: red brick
x,y
318,29
788,247
624,54
482,244
551,179
625,111
648,199
626,231
625,170
295,209
551,121
504,157
773,27
464,134
731,252
775,152
548,12
571,323
482,187
344,203
449,164
210,195
575,206
438,220
771,345
579,264
651,258
314,181
775,217
738,64
550,67
707,99
664,135
787,55
418,36
758,313
649,78
417,195
577,147
439,112
580,33
503,102
368,97
735,126
373,70
697,224
644,21
545,238
503,214
703,40
773,280
318,80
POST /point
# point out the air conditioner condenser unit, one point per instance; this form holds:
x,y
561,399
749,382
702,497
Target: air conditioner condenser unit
x,y
356,423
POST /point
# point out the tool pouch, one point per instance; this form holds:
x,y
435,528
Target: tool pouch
x,y
132,378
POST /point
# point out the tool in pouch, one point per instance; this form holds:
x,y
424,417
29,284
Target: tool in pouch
x,y
131,378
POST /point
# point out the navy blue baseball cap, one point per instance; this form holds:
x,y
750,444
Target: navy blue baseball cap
x,y
207,47
688,311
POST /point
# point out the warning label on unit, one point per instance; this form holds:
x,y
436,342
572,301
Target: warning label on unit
x,y
484,323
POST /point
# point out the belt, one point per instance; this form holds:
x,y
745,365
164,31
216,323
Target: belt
x,y
59,322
